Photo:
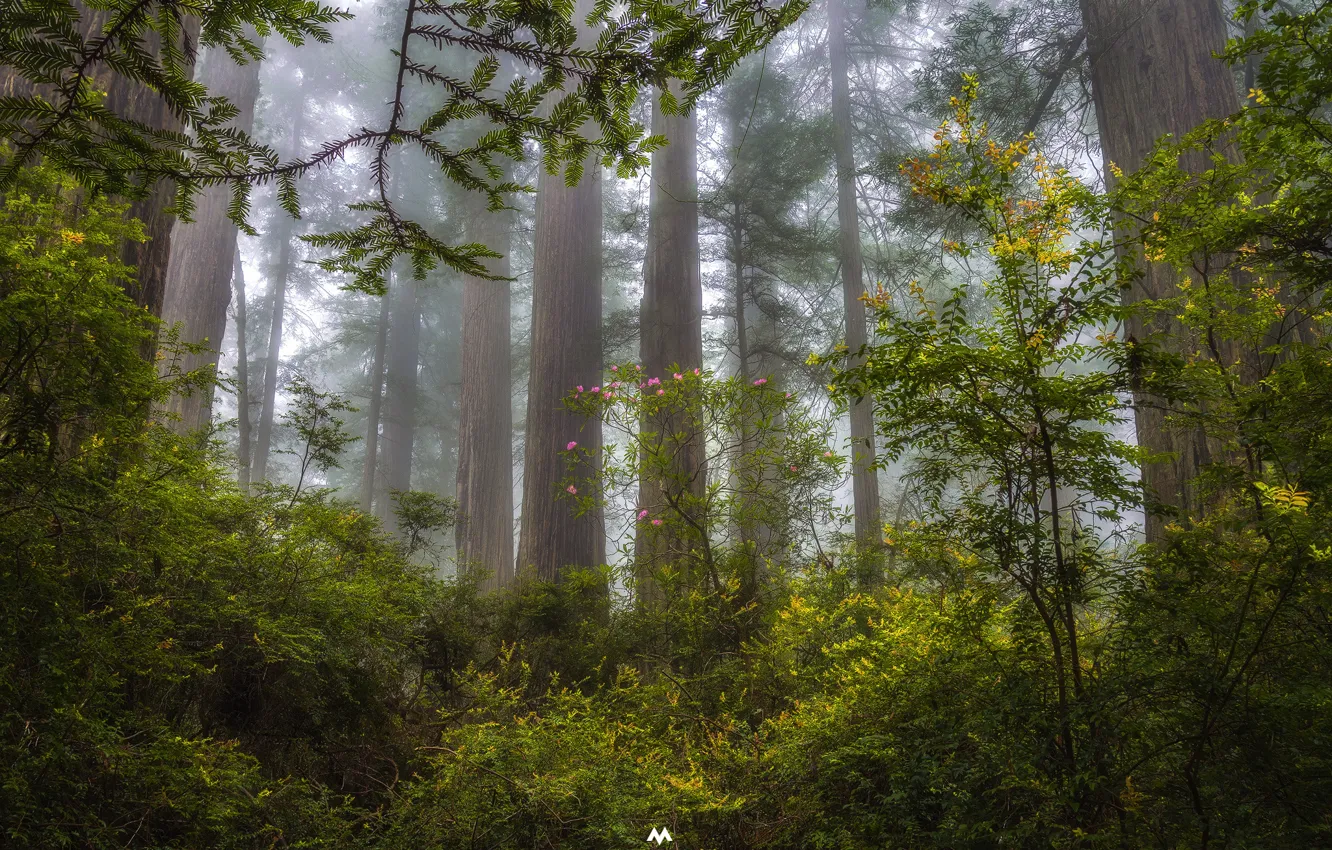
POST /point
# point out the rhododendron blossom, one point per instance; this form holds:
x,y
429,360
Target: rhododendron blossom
x,y
642,515
678,376
661,392
656,522
573,444
572,489
760,382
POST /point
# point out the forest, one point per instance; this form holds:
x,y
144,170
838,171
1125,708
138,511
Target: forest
x,y
711,424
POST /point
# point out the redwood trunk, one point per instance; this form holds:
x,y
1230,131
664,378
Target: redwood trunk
x,y
404,344
278,301
864,479
369,471
484,534
566,352
243,448
1154,72
671,335
198,281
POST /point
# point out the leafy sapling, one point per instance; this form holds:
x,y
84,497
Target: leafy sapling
x,y
320,435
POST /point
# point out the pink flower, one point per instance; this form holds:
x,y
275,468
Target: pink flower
x,y
642,515
788,395
615,385
656,522
793,469
661,392
760,382
579,388
615,368
596,389
695,371
827,454
607,394
573,444
572,490
642,386
679,377
652,382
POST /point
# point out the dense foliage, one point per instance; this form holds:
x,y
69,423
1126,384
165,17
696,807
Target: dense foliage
x,y
186,665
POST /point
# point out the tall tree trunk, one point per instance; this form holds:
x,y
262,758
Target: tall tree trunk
x,y
864,480
748,480
740,474
671,337
133,102
738,305
198,283
243,449
764,526
404,345
446,363
278,301
484,533
566,352
1154,72
370,470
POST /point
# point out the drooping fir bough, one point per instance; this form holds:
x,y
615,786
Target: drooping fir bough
x,y
575,100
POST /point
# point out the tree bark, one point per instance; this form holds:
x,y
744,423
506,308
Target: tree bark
x,y
484,534
278,301
370,469
198,281
864,479
762,482
1154,71
738,306
243,448
404,348
566,352
671,337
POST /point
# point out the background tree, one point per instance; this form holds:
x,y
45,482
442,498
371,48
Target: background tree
x,y
864,478
199,273
1156,70
485,417
400,379
566,352
278,275
671,318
